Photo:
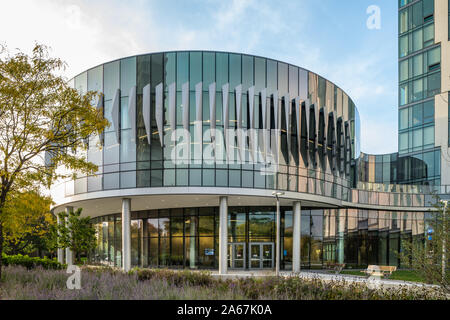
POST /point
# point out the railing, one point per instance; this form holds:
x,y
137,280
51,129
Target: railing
x,y
302,181
404,188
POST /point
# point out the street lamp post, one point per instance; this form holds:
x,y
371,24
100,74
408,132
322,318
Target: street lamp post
x,y
277,194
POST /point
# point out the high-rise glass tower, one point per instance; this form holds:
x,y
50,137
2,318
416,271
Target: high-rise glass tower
x,y
424,156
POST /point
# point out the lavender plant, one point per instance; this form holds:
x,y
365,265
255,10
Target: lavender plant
x,y
108,283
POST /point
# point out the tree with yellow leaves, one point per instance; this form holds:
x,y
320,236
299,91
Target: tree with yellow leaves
x,y
26,223
40,114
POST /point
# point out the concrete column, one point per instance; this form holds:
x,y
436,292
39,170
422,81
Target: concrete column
x,y
60,251
278,240
296,247
69,253
223,234
341,230
192,253
144,244
126,234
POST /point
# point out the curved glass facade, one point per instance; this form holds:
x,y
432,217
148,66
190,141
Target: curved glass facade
x,y
391,169
188,238
171,115
138,148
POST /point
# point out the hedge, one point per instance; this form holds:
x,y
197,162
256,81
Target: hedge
x,y
31,262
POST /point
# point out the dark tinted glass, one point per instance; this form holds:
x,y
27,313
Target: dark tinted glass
x,y
112,81
260,74
157,70
169,69
195,69
293,81
282,78
272,76
182,69
209,69
222,70
247,72
143,72
235,71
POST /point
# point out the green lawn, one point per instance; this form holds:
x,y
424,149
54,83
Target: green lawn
x,y
405,275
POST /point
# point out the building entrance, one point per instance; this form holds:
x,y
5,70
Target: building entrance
x,y
261,255
236,255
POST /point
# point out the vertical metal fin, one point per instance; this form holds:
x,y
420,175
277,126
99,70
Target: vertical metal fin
x,y
199,117
238,91
159,111
276,111
334,144
225,96
146,107
298,119
266,123
132,112
115,114
316,118
304,113
263,95
225,106
100,104
307,111
251,103
287,112
172,110
277,120
212,110
198,101
348,147
185,102
325,137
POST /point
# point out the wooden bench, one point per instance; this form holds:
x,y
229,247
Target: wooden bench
x,y
337,267
379,271
388,270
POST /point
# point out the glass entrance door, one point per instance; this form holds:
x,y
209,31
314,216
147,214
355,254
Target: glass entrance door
x,y
255,256
236,255
267,255
261,255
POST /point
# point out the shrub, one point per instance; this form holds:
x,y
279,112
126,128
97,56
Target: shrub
x,y
31,262
177,278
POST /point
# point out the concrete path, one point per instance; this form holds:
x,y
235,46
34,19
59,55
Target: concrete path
x,y
322,276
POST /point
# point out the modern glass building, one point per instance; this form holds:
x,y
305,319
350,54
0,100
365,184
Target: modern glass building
x,y
420,81
201,146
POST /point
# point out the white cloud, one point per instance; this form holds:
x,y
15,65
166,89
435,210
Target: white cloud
x,y
86,33
82,33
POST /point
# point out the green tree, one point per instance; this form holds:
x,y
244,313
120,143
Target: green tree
x,y
41,115
425,256
26,222
78,234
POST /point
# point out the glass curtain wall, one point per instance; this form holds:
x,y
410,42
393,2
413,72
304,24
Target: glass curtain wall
x,y
126,161
188,238
419,82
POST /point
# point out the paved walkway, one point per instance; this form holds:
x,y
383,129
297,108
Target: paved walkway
x,y
321,275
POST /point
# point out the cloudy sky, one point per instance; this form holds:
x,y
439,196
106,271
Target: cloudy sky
x,y
329,37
